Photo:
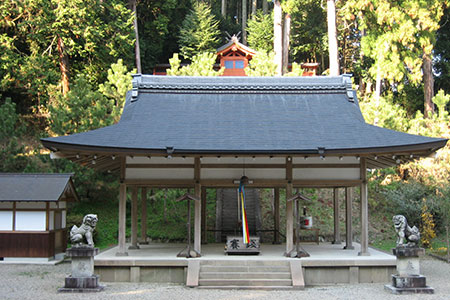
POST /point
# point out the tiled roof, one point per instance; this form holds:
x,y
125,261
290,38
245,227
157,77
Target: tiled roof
x,y
33,187
243,115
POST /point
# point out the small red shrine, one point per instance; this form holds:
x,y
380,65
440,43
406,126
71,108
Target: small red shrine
x,y
234,57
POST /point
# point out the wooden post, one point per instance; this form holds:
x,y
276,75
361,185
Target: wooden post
x,y
276,215
337,231
134,218
197,207
364,210
122,211
122,220
204,232
348,219
289,208
144,216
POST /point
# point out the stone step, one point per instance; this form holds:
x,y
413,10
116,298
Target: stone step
x,y
245,275
245,262
208,268
236,287
245,282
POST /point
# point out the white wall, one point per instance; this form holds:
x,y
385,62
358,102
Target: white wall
x,y
30,220
6,219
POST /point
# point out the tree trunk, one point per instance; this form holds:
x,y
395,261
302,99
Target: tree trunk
x,y
254,7
286,41
224,9
278,36
265,7
63,66
332,38
244,22
428,87
137,48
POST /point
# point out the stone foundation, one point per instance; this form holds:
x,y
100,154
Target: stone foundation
x,y
82,279
408,280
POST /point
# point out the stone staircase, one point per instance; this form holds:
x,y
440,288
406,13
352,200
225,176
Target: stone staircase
x,y
244,274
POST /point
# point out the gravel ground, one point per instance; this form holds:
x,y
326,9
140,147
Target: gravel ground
x,y
42,281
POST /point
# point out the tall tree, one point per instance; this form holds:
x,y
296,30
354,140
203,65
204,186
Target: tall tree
x,y
244,22
278,36
399,39
260,32
85,35
199,31
332,38
137,48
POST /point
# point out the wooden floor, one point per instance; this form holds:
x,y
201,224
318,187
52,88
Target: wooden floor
x,y
327,264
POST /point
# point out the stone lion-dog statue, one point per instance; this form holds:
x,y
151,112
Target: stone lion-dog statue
x,y
404,232
79,236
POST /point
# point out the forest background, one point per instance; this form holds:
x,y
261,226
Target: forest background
x,y
65,66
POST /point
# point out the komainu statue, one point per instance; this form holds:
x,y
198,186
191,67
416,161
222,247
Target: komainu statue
x,y
404,232
84,234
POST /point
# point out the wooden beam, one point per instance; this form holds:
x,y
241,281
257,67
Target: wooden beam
x,y
122,211
364,211
348,219
144,215
203,221
197,207
325,166
134,218
276,215
14,217
289,208
47,216
122,220
337,231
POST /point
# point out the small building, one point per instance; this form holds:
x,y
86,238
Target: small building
x,y
33,209
234,57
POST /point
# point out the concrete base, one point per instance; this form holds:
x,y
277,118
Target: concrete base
x,y
399,291
328,264
416,284
81,285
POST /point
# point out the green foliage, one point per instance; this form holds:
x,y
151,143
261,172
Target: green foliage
x,y
441,100
115,89
159,23
199,31
309,41
442,53
82,109
262,64
260,32
12,158
383,113
427,234
296,70
202,65
396,35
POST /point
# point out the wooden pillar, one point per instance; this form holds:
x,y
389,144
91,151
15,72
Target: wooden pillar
x,y
204,232
122,211
276,215
337,231
348,219
197,207
289,208
144,216
364,210
134,218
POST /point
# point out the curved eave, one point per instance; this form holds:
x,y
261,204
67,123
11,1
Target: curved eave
x,y
377,157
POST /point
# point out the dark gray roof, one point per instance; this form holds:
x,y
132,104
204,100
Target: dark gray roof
x,y
34,187
242,115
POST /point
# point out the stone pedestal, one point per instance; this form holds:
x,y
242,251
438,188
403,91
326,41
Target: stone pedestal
x,y
408,280
82,278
